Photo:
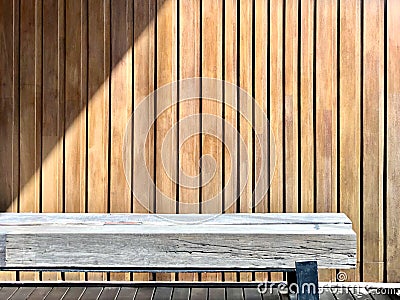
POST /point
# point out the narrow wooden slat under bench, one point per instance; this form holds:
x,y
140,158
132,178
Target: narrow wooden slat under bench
x,y
134,241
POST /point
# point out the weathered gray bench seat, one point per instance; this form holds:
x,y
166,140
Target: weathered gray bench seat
x,y
181,243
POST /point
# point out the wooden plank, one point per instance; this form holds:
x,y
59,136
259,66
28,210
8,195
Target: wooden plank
x,y
162,293
326,295
350,105
126,293
53,111
393,133
22,293
121,107
30,110
91,293
373,118
166,31
75,105
189,153
326,106
234,293
252,294
201,246
326,111
98,110
57,293
318,230
245,83
109,293
9,111
273,295
230,70
121,100
260,52
216,294
306,45
53,106
40,293
98,106
143,85
11,219
75,110
189,62
166,73
9,107
7,291
291,108
198,293
276,109
73,293
144,293
181,294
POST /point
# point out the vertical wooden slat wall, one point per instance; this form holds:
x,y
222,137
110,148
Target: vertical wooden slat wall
x,y
350,105
325,73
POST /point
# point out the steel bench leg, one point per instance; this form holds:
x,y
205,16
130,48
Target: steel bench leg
x,y
307,280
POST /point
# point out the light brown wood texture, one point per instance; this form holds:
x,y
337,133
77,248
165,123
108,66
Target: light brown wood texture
x,y
291,155
306,97
350,105
326,111
373,124
261,79
325,72
152,291
9,111
75,106
392,192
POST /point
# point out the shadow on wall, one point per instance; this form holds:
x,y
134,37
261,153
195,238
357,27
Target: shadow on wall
x,y
55,59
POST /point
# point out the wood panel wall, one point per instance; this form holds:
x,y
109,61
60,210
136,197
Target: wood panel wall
x,y
326,73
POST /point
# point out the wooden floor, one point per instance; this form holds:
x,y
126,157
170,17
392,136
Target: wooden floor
x,y
174,293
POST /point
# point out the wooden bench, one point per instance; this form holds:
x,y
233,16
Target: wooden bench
x,y
293,243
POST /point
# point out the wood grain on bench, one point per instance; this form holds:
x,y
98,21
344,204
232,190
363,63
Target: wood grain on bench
x,y
134,241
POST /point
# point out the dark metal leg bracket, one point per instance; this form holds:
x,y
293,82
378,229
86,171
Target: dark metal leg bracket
x,y
304,281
